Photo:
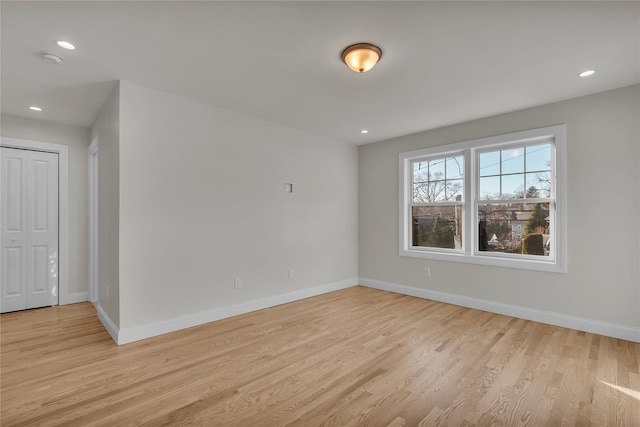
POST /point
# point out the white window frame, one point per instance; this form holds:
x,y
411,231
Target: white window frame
x,y
556,262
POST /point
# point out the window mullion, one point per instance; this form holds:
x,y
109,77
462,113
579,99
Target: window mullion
x,y
470,184
507,201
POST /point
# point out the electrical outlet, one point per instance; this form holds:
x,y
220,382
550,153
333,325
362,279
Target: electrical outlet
x,y
237,283
427,272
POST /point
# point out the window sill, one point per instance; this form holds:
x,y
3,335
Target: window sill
x,y
493,261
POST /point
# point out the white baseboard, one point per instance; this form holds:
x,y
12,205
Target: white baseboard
x,y
557,319
128,335
77,297
108,323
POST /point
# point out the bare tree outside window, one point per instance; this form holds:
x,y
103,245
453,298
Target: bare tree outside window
x,y
436,213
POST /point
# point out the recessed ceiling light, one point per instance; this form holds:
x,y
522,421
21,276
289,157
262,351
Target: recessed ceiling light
x,y
364,131
587,73
35,108
66,45
51,58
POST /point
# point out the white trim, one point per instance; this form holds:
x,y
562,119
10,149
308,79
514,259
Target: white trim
x,y
111,327
468,253
624,332
128,335
561,214
63,205
92,157
77,297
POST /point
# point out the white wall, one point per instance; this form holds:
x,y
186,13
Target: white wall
x,y
602,282
77,139
106,130
202,201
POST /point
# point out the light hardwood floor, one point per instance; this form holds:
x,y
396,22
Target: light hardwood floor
x,y
353,357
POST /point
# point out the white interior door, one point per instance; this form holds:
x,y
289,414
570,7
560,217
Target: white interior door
x,y
29,229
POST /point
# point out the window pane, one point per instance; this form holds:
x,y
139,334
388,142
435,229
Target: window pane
x,y
515,228
420,167
455,167
538,184
513,160
490,163
436,169
454,189
513,186
538,158
438,191
420,193
490,188
430,182
437,226
429,191
420,182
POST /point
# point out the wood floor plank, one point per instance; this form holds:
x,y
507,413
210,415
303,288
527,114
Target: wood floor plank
x,y
353,357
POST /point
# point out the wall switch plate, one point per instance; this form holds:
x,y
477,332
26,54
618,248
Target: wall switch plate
x,y
427,272
290,273
237,283
288,188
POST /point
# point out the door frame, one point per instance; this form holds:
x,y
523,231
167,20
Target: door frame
x,y
63,205
92,155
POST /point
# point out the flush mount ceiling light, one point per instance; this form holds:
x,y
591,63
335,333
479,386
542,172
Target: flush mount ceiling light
x,y
587,73
364,131
65,45
35,108
361,57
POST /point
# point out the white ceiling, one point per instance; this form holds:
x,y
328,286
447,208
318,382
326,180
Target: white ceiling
x,y
443,62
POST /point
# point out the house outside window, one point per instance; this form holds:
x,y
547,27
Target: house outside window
x,y
495,201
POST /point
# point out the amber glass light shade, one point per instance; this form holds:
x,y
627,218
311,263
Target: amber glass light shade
x,y
361,57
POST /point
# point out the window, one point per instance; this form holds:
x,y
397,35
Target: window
x,y
436,202
495,201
